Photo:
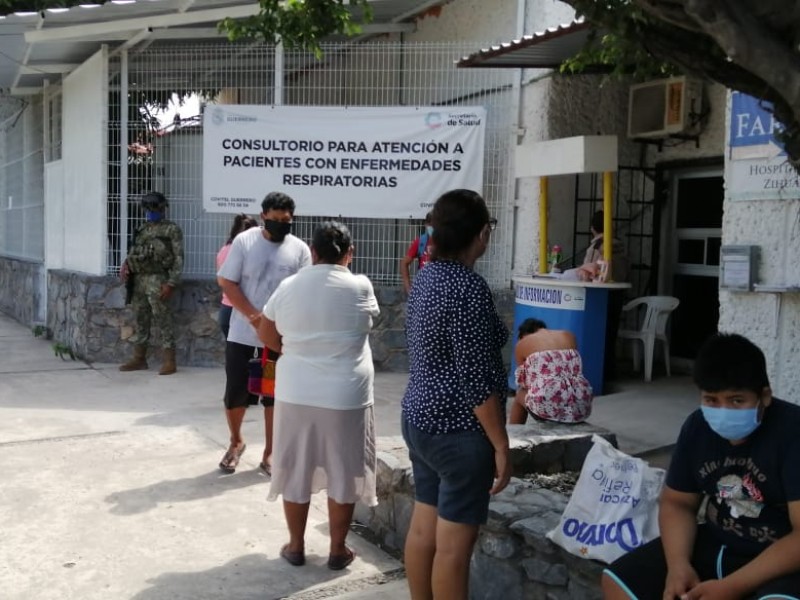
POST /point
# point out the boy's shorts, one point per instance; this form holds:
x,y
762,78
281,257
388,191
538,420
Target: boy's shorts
x,y
453,472
643,572
237,356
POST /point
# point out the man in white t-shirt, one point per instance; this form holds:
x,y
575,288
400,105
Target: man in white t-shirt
x,y
259,259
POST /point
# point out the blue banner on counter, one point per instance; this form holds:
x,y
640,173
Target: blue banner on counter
x,y
544,296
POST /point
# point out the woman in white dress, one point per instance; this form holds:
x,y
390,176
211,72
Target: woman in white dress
x,y
319,320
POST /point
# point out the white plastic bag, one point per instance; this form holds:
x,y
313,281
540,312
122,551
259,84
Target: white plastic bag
x,y
614,507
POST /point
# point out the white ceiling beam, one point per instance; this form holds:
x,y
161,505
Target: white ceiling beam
x,y
26,91
132,41
185,5
170,20
28,50
49,68
182,33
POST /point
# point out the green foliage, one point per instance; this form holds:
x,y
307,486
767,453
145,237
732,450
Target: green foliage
x,y
39,331
300,23
619,57
616,43
62,351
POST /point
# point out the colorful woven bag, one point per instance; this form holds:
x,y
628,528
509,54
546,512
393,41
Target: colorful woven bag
x,y
261,379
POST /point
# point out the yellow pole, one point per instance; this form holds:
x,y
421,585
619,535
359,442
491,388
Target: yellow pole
x,y
542,224
608,233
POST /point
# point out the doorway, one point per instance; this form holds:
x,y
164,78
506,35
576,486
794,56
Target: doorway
x,y
696,237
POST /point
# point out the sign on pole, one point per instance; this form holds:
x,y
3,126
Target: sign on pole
x,y
383,162
757,168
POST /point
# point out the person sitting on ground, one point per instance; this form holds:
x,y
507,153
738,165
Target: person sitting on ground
x,y
550,381
419,250
241,222
735,461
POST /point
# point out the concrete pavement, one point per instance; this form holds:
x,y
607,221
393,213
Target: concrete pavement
x,y
110,486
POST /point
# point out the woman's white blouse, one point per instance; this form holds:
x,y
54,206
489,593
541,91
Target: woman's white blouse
x,y
324,314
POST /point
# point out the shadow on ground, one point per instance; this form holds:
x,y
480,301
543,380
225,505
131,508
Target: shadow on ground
x,y
248,577
143,499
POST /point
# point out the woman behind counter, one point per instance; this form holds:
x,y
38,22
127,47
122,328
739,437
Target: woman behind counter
x,y
550,381
320,319
453,414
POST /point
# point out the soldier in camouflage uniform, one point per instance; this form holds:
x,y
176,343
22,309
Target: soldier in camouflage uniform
x,y
155,263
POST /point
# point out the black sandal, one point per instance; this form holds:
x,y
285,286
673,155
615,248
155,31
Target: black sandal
x,y
296,559
341,561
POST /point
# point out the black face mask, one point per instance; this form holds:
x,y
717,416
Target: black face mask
x,y
277,230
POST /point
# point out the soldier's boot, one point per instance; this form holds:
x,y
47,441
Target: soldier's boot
x,y
168,365
139,360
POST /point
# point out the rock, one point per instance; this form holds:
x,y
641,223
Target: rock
x,y
584,590
493,578
397,362
545,572
395,339
535,527
502,546
115,298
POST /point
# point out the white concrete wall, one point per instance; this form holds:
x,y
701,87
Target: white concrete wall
x,y
54,250
468,20
770,320
85,150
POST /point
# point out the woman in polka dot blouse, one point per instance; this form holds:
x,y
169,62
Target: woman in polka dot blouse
x,y
453,408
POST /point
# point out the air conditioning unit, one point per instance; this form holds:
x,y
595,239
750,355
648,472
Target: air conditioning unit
x,y
663,107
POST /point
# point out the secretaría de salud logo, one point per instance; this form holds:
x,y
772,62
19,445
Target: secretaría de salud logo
x,y
433,120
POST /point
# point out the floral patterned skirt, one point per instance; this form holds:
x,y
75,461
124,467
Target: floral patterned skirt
x,y
556,389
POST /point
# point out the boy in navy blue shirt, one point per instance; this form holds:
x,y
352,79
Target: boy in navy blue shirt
x,y
736,466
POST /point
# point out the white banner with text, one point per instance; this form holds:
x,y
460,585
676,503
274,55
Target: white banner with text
x,y
380,162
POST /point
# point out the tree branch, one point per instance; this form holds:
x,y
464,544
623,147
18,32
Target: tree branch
x,y
670,11
749,44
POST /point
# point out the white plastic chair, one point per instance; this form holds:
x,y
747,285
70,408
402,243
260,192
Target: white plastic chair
x,y
653,327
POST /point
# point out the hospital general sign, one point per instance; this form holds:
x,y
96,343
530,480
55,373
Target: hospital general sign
x,y
757,168
381,162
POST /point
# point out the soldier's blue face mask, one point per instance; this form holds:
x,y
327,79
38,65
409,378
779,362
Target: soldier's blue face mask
x,y
153,216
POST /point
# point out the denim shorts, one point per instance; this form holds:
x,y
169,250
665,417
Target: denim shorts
x,y
453,472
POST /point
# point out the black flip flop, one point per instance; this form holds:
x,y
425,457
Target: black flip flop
x,y
296,559
341,561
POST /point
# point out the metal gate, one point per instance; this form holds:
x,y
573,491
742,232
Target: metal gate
x,y
151,148
637,215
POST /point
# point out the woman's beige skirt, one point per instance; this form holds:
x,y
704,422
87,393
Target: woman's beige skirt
x,y
322,449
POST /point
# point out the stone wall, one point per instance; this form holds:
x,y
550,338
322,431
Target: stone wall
x,y
21,290
88,314
513,558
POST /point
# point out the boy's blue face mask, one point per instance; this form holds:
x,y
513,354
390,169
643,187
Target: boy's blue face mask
x,y
153,216
731,423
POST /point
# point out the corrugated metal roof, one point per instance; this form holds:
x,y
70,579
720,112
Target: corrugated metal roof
x,y
543,50
26,64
